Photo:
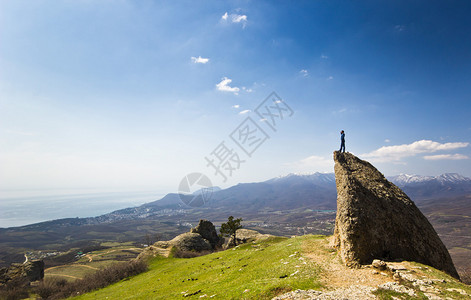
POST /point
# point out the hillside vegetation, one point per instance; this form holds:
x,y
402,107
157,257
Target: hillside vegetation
x,y
275,266
251,271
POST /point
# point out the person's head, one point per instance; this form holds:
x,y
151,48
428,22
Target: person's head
x,y
341,131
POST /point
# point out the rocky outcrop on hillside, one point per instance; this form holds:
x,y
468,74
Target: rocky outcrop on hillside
x,y
375,219
201,238
208,232
245,236
191,242
31,270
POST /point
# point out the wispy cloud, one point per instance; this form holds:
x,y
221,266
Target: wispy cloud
x,y
397,152
446,157
239,18
199,60
235,106
324,56
400,28
340,111
330,77
223,86
235,18
304,72
244,112
387,140
248,90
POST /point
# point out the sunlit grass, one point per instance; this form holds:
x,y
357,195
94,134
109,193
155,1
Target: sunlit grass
x,y
252,271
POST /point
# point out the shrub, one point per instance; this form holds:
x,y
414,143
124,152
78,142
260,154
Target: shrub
x,y
15,289
48,287
57,289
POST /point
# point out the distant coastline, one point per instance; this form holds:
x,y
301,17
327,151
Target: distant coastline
x,y
18,208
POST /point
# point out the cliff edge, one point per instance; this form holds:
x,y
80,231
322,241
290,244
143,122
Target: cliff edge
x,y
377,220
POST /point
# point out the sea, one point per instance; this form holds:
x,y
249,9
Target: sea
x,y
18,208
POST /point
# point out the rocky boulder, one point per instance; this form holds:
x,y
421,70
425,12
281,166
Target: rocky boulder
x,y
31,270
207,230
191,242
376,220
246,236
201,238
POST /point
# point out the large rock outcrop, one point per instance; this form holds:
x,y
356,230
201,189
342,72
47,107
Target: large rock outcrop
x,y
207,230
201,238
246,236
375,219
191,242
32,270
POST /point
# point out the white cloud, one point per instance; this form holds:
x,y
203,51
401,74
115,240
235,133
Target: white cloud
x,y
312,163
235,18
446,157
244,112
223,86
199,60
387,140
248,90
330,77
304,73
397,152
238,18
324,56
235,106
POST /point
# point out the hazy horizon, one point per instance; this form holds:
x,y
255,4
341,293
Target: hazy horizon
x,y
25,207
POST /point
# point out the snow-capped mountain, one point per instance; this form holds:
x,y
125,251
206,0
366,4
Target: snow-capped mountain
x,y
452,178
447,178
426,187
404,179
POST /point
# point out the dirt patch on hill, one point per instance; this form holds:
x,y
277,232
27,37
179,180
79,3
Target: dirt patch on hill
x,y
335,274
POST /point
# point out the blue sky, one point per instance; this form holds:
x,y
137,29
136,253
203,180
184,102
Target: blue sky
x,y
129,95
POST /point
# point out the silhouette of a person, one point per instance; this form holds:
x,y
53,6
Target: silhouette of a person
x,y
342,141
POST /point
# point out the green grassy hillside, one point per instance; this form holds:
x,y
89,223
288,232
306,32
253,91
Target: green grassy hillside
x,y
278,265
251,271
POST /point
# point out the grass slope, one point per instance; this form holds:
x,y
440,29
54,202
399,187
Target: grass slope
x,y
252,271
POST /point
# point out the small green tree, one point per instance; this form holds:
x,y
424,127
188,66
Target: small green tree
x,y
230,228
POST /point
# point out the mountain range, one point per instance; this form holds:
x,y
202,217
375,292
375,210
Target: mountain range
x,y
316,190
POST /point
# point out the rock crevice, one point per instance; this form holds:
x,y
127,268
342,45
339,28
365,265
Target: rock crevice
x,y
376,219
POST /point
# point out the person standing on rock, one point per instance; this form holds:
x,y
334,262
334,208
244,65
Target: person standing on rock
x,y
342,141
